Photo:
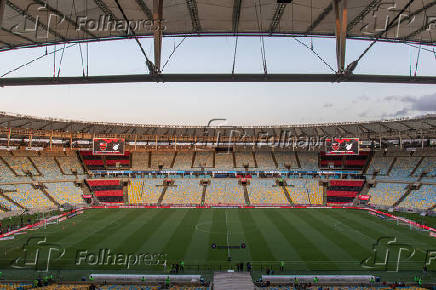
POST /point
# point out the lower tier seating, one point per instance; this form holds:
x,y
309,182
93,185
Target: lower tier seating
x,y
423,198
225,191
386,194
264,191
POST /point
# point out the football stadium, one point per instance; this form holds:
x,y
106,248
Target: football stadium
x,y
131,205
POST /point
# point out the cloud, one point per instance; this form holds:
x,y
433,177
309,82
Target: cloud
x,y
426,103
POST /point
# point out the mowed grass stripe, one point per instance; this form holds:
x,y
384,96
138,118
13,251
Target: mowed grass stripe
x,y
310,254
278,244
402,232
257,246
88,237
135,239
237,236
218,235
116,237
341,240
181,238
199,247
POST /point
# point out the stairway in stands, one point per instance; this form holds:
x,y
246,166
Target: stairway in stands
x,y
203,195
161,197
286,193
247,198
47,194
230,281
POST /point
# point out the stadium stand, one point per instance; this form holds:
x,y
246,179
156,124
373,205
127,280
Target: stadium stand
x,y
265,160
304,191
69,163
185,191
423,198
284,158
203,158
29,197
47,166
428,166
264,191
226,191
224,161
107,190
21,165
243,158
183,160
308,160
380,163
386,194
65,192
161,158
403,167
144,190
140,160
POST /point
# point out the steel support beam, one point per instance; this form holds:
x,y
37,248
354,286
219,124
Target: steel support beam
x,y
236,15
157,21
278,13
139,78
2,11
53,10
193,11
341,13
34,20
145,9
320,18
371,6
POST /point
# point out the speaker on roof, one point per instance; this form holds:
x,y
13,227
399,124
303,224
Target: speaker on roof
x,y
283,1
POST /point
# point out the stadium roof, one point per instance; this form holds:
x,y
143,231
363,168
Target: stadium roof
x,y
414,127
64,21
33,23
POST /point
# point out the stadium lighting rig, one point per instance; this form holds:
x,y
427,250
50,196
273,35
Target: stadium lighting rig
x,y
405,21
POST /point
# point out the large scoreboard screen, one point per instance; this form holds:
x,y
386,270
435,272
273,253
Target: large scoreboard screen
x,y
105,146
342,146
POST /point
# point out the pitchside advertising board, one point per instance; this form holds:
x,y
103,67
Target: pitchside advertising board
x,y
105,146
342,146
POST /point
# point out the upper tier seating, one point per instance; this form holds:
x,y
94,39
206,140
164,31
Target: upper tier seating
x,y
427,165
48,167
203,159
185,191
264,160
21,165
423,198
262,191
386,194
140,160
244,158
284,158
308,160
224,161
381,163
225,191
70,163
161,158
403,166
183,160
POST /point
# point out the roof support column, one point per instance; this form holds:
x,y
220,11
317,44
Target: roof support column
x,y
157,21
341,32
2,11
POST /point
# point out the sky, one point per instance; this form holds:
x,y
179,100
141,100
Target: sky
x,y
238,103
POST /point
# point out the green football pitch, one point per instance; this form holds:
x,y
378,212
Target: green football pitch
x,y
307,241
